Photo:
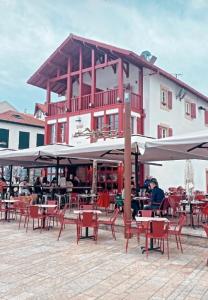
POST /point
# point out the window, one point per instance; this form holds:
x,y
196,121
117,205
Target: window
x,y
113,122
4,138
132,125
164,131
24,140
165,98
187,108
206,117
61,132
52,133
190,110
40,139
99,123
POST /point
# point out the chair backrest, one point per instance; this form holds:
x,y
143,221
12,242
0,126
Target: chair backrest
x,y
103,199
206,229
181,221
88,218
52,209
174,201
33,211
146,213
114,216
158,229
205,210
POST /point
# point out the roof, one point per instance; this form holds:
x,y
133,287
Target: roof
x,y
40,106
20,118
5,105
59,58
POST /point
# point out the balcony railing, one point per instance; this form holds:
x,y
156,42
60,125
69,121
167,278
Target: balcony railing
x,y
101,99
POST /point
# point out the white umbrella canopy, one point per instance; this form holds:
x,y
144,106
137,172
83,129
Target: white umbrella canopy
x,y
38,156
110,149
192,145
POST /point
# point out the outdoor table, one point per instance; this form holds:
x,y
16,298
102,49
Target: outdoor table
x,y
141,200
8,202
45,207
191,204
150,219
86,197
81,211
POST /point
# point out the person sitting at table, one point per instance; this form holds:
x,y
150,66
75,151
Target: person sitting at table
x,y
62,184
38,187
157,195
24,188
147,183
134,204
69,185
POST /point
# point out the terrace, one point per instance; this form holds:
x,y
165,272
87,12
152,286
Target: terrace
x,y
101,99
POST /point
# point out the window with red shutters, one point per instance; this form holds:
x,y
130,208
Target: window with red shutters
x,y
193,110
164,131
206,117
166,97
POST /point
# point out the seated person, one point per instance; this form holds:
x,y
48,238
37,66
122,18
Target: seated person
x,y
24,187
134,204
157,195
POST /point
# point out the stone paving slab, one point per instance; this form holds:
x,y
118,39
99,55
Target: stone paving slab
x,y
35,265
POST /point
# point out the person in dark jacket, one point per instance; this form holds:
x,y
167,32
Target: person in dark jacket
x,y
157,195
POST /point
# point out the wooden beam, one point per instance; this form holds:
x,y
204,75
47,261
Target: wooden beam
x,y
93,77
69,84
120,79
80,76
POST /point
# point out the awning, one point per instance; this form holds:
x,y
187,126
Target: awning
x,y
192,145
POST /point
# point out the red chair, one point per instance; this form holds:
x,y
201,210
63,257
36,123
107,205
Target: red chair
x,y
22,211
52,212
74,201
65,221
204,213
87,206
206,230
175,229
146,213
130,230
157,230
103,200
174,202
111,222
87,220
35,215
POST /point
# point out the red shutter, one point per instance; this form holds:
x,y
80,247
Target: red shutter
x,y
206,117
170,131
170,100
159,132
193,110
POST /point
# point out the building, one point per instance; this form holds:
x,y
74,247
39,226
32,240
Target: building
x,y
5,106
20,131
89,79
40,111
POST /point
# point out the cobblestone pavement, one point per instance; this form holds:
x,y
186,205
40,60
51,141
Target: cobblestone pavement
x,y
35,265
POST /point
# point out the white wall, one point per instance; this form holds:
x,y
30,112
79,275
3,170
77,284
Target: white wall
x,y
74,126
14,133
133,78
172,173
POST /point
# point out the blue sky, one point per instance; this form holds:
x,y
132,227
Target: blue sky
x,y
30,30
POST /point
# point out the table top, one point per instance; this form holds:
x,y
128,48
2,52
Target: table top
x,y
81,211
86,195
196,202
46,205
141,198
149,219
9,200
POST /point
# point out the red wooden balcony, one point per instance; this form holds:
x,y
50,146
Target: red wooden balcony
x,y
101,99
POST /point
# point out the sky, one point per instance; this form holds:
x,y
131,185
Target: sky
x,y
30,30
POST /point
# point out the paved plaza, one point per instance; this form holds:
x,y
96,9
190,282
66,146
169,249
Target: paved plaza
x,y
35,265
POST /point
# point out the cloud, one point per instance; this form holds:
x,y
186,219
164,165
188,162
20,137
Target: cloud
x,y
175,31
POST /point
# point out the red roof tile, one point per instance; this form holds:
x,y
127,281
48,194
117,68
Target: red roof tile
x,y
21,118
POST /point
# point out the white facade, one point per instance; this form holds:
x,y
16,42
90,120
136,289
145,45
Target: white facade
x,y
14,130
172,173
